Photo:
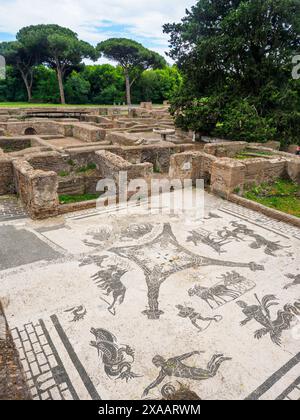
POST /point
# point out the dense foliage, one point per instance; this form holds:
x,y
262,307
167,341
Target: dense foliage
x,y
45,64
94,84
132,57
236,59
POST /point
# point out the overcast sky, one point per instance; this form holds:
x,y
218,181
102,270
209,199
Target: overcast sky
x,y
95,20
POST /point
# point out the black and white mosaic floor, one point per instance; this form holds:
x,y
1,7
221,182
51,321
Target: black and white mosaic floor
x,y
119,306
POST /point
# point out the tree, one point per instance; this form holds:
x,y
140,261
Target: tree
x,y
60,47
132,57
23,58
12,88
45,85
107,83
157,85
77,89
236,60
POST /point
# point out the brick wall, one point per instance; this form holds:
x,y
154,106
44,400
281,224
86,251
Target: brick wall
x,y
37,190
7,185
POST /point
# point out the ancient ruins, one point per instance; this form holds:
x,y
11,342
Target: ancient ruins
x,y
129,304
48,152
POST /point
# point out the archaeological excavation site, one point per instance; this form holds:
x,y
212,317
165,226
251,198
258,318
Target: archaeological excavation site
x,y
51,159
149,204
167,284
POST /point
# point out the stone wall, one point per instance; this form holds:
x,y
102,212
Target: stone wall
x,y
260,170
49,161
88,133
40,127
293,169
7,185
78,185
37,190
192,165
8,144
226,175
110,165
226,149
159,155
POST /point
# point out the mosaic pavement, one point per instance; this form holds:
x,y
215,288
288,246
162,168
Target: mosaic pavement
x,y
11,209
119,306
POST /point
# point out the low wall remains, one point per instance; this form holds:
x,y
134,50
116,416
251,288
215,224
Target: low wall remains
x,y
19,128
226,175
37,190
110,165
7,184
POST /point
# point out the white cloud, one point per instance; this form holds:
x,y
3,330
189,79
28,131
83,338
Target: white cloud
x,y
142,18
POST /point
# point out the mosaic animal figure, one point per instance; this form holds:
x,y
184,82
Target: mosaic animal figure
x,y
295,282
117,360
261,314
109,281
215,294
207,239
175,367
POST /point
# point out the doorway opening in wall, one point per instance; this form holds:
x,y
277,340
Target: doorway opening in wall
x,y
30,131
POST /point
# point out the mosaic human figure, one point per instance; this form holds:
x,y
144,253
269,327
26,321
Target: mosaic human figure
x,y
175,367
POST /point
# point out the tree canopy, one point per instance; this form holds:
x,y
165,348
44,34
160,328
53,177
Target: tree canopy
x,y
236,59
23,57
60,48
132,56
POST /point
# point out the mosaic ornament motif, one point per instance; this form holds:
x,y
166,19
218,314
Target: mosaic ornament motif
x,y
164,256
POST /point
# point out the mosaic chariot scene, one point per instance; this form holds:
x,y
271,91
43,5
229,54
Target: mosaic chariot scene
x,y
132,302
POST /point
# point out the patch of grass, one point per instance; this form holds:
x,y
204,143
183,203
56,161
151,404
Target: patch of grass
x,y
69,199
89,167
156,169
63,174
7,149
248,154
71,162
282,195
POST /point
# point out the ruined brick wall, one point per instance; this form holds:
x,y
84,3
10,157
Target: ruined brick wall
x,y
259,170
192,165
158,155
293,169
226,149
37,190
88,133
78,185
7,184
227,176
14,144
110,165
49,161
40,127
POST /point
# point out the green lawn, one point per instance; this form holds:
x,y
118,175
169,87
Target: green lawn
x,y
33,105
282,195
